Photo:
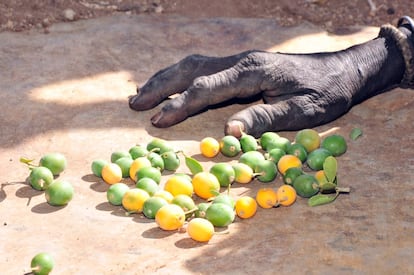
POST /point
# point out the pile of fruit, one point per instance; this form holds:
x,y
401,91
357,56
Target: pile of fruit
x,y
307,165
43,177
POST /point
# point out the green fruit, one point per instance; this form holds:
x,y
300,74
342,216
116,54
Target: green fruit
x,y
248,143
251,158
220,214
335,144
138,151
298,150
306,185
280,142
152,205
226,199
186,203
275,154
159,146
291,174
97,166
59,193
56,162
119,154
267,138
40,178
42,264
201,209
317,157
309,138
267,170
230,146
148,184
156,160
149,172
115,193
171,160
224,172
125,164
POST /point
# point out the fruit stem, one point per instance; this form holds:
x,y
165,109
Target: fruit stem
x,y
343,189
191,211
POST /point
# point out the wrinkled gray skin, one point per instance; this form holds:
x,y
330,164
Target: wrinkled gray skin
x,y
299,90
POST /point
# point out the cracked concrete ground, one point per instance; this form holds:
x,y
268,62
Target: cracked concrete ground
x,y
67,91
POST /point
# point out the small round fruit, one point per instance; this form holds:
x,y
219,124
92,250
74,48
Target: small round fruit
x,y
170,217
177,184
298,150
224,172
266,170
149,172
209,147
275,154
112,173
280,142
251,158
56,162
186,203
42,264
119,154
226,199
306,185
97,166
291,174
248,143
246,207
201,209
171,160
266,138
152,205
288,161
205,185
220,214
156,161
40,178
266,197
230,146
133,200
243,173
317,157
125,164
200,230
165,195
335,144
286,195
116,192
148,184
138,151
159,146
137,164
59,193
309,138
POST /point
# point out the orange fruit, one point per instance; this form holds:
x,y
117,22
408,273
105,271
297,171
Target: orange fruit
x,y
309,138
205,185
209,147
246,207
134,199
266,197
178,184
200,230
288,161
164,194
137,164
111,173
286,195
170,217
243,173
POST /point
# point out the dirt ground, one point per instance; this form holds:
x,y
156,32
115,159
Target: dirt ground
x,y
333,15
64,87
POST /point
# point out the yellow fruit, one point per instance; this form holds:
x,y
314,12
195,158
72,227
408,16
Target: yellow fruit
x,y
205,185
164,194
246,207
209,147
137,164
266,197
243,173
111,173
286,195
288,161
134,199
178,184
200,230
170,217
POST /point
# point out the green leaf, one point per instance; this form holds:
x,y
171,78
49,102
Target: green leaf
x,y
330,168
327,187
355,133
26,160
194,166
321,199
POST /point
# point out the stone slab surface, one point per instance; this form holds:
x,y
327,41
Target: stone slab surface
x,y
67,92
